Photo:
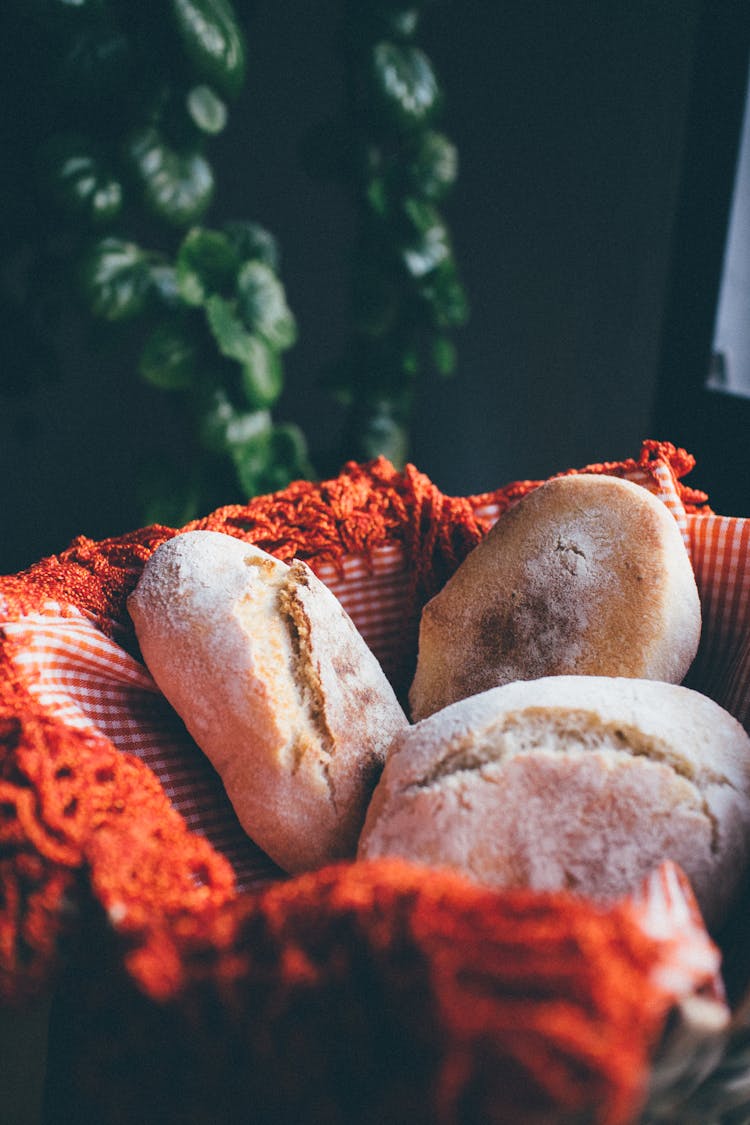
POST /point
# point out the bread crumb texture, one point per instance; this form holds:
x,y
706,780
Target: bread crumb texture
x,y
572,782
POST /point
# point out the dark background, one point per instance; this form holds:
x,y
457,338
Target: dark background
x,y
597,144
592,281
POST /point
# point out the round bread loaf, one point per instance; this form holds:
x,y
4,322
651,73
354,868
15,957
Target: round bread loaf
x,y
275,684
578,782
586,575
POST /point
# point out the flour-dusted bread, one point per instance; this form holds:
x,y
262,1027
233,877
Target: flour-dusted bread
x,y
276,686
578,782
587,575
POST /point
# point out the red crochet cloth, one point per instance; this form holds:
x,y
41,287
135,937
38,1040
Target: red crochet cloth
x,y
368,993
361,509
90,844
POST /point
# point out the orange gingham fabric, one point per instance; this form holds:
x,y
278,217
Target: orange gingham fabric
x,y
87,680
78,662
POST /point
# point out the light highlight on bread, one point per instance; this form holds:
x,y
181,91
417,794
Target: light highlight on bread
x,y
587,575
276,686
578,782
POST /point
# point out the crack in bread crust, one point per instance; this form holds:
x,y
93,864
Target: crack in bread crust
x,y
568,552
306,675
614,738
542,730
275,685
584,782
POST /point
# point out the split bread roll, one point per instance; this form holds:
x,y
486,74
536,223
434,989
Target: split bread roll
x,y
578,782
586,575
276,686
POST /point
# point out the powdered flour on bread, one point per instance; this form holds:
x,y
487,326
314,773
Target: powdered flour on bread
x,y
577,782
276,686
587,575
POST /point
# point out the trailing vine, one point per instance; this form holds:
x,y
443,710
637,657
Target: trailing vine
x,y
121,197
112,127
398,167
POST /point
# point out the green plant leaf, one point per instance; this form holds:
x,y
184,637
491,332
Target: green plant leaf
x,y
164,284
88,6
376,194
427,244
78,180
444,356
169,357
410,360
383,435
262,376
252,241
177,186
289,447
207,263
433,169
207,111
404,84
251,462
400,20
213,42
88,188
246,426
262,305
116,279
445,295
231,336
271,460
222,427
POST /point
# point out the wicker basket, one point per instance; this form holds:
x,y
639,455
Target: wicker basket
x,y
194,983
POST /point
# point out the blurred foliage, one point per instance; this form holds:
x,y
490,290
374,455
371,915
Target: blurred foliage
x,y
407,298
109,110
111,128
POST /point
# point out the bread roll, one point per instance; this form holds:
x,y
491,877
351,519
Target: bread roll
x,y
275,685
587,575
577,782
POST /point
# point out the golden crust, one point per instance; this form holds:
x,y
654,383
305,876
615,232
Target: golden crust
x,y
572,782
276,686
587,575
